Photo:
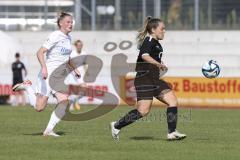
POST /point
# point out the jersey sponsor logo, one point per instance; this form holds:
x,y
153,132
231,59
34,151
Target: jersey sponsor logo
x,y
63,50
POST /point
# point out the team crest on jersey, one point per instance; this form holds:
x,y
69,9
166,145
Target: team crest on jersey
x,y
19,65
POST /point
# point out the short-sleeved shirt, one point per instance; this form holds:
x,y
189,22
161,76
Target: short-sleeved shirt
x,y
154,49
147,82
59,48
17,68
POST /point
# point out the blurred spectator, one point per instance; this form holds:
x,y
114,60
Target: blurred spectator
x,y
17,69
77,85
174,13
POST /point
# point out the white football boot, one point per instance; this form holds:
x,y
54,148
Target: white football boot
x,y
50,133
21,86
175,136
115,132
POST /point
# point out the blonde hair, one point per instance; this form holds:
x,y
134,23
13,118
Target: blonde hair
x,y
77,41
149,24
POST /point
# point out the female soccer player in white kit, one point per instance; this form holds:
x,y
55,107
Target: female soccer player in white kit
x,y
57,48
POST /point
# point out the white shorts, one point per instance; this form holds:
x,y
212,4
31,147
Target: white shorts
x,y
43,87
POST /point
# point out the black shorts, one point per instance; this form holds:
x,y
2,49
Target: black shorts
x,y
147,88
17,80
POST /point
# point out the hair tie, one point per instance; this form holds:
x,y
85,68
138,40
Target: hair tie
x,y
149,18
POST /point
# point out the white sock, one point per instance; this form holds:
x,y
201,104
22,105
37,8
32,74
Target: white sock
x,y
31,96
14,100
53,121
71,108
56,116
72,98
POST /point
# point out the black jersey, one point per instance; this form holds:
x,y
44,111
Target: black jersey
x,y
17,68
152,47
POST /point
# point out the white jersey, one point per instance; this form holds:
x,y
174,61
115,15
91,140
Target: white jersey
x,y
59,48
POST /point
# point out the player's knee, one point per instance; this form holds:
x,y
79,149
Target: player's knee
x,y
173,103
143,112
39,108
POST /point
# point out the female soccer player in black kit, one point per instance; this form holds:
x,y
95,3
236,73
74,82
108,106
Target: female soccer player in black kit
x,y
147,82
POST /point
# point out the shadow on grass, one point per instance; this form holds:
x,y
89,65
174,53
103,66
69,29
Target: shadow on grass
x,y
40,133
201,139
145,138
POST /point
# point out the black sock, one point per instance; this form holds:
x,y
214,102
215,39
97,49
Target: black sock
x,y
129,118
172,119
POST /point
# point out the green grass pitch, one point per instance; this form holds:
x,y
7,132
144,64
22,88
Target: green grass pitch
x,y
212,135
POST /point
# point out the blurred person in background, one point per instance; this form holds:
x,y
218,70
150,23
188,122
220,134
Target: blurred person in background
x,y
77,85
17,69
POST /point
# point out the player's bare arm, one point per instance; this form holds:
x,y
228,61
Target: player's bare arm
x,y
40,56
73,67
